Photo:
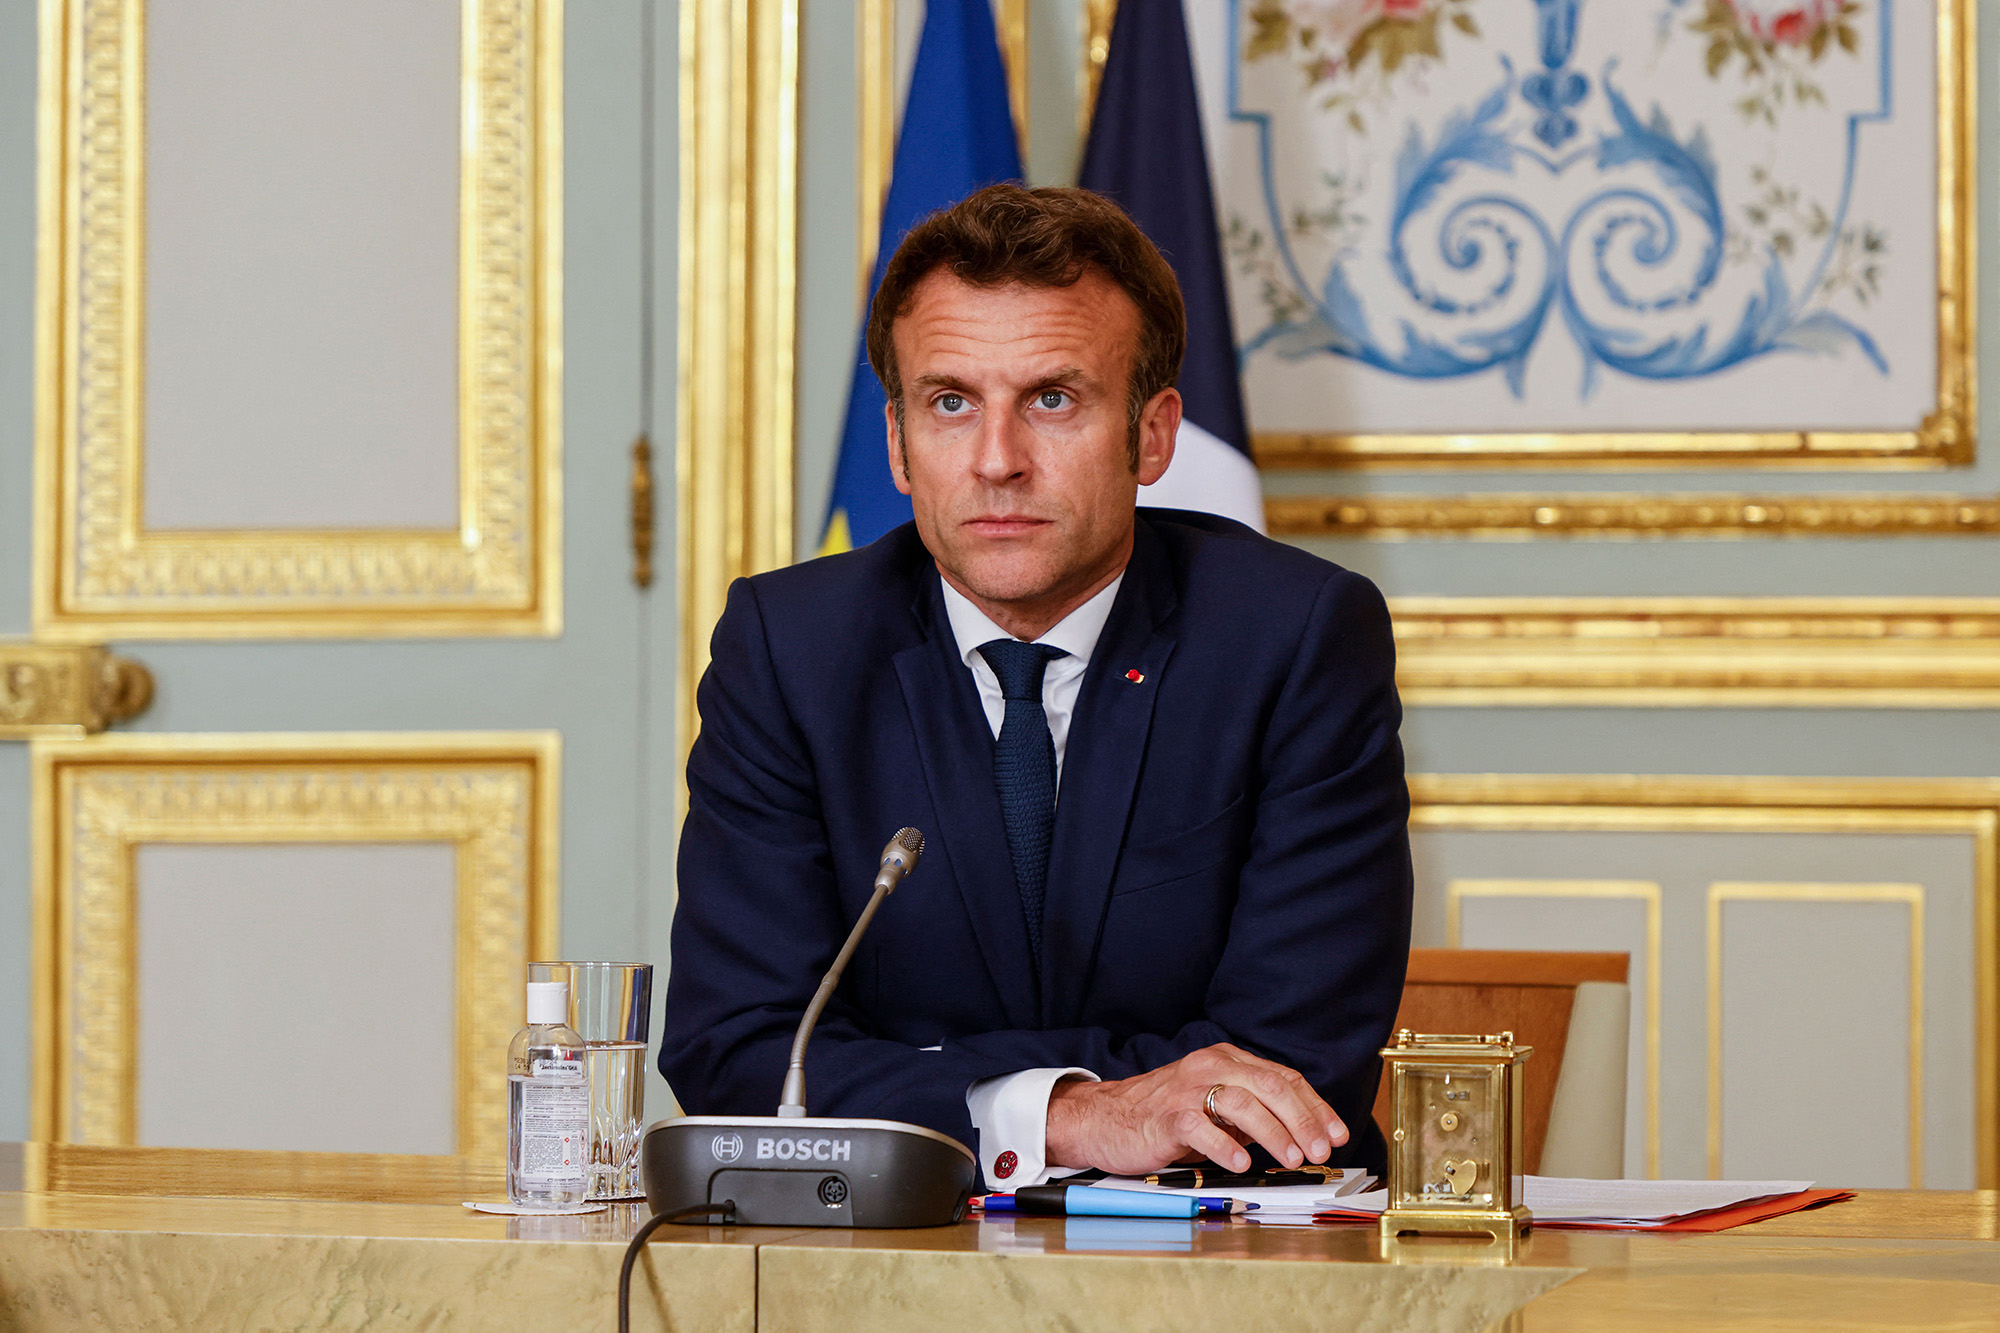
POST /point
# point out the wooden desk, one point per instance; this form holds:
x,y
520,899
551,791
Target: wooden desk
x,y
149,1238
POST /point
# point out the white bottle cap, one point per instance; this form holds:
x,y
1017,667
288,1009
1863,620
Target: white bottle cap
x,y
548,1002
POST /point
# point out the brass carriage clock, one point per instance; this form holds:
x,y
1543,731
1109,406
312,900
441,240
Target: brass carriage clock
x,y
1455,1135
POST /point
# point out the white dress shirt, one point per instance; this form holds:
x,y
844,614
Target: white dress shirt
x,y
1011,1111
1076,634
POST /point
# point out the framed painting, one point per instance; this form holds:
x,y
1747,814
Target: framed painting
x,y
1580,234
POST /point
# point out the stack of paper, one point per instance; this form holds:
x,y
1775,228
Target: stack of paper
x,y
1618,1204
1297,1201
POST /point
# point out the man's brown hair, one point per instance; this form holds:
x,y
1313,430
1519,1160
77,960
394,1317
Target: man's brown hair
x,y
1047,237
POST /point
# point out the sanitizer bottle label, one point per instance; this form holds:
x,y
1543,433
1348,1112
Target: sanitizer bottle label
x,y
555,1123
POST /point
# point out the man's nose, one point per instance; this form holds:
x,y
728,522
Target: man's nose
x,y
1001,452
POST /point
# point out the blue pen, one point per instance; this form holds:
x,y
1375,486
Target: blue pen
x,y
1224,1207
1084,1201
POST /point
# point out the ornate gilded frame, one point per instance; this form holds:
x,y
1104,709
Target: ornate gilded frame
x,y
1509,802
493,797
738,316
1944,438
100,570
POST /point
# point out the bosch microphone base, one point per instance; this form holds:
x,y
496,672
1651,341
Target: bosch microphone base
x,y
808,1171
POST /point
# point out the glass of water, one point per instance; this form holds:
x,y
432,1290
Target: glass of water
x,y
610,1005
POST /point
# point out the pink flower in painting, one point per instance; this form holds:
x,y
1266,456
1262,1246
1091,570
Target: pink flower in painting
x,y
1337,22
1404,9
1786,21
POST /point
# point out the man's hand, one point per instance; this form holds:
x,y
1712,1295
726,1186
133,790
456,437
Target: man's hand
x,y
1134,1125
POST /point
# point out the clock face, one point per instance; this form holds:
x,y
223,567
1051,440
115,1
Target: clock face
x,y
1447,1136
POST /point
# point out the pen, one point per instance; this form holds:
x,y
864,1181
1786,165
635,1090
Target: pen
x,y
1082,1201
1204,1177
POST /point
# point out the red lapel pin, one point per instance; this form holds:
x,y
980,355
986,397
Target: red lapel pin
x,y
1135,676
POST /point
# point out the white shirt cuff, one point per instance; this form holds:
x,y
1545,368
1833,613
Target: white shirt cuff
x,y
1011,1113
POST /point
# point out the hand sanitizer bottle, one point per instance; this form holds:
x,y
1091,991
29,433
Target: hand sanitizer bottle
x,y
548,1105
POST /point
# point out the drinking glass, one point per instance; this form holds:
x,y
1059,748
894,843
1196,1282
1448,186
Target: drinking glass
x,y
610,1005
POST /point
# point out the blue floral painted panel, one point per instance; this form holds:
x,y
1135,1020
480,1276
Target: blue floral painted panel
x,y
1614,213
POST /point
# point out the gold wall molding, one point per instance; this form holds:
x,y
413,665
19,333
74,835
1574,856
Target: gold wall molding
x,y
1941,652
1937,652
1010,21
1699,653
100,570
1630,515
1906,895
875,38
492,796
1504,802
1097,18
1945,437
75,688
739,91
1645,893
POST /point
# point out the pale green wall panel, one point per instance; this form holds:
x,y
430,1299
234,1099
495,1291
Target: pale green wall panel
x,y
17,424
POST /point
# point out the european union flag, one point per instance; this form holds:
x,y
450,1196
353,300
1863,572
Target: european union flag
x,y
957,136
1146,151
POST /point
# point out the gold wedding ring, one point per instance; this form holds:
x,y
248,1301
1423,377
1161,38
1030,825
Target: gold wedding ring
x,y
1208,1104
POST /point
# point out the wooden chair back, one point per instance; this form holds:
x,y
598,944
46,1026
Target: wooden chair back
x,y
1503,990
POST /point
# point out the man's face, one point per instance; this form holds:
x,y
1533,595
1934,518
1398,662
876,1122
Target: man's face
x,y
1014,451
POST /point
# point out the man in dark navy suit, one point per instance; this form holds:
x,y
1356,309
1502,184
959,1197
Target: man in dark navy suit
x,y
1164,909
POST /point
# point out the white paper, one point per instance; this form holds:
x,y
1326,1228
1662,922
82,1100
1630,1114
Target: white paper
x,y
1566,1199
1270,1199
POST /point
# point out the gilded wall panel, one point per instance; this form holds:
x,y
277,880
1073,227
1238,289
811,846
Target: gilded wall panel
x,y
1843,1048
1589,805
491,797
100,568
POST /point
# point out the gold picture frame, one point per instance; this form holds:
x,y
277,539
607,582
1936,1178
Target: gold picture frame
x,y
1944,438
100,570
493,796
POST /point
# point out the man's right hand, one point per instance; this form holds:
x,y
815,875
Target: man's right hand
x,y
1134,1125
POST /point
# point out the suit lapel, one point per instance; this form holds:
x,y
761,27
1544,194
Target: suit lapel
x,y
955,748
1101,763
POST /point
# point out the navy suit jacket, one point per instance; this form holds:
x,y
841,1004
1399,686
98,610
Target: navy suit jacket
x,y
1230,858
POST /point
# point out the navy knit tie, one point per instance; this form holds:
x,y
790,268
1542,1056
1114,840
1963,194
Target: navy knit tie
x,y
1024,770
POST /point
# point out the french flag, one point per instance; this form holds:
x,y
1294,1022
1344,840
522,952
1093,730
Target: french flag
x,y
1146,152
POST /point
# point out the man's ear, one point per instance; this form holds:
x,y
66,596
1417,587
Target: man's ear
x,y
1159,423
899,472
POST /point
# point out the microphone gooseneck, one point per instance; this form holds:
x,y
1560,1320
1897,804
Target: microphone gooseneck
x,y
899,858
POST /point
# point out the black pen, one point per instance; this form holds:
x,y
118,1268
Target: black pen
x,y
1194,1178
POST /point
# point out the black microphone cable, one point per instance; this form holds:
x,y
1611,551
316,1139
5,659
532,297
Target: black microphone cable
x,y
645,1233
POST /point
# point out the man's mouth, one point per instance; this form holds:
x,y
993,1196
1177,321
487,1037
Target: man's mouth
x,y
1005,525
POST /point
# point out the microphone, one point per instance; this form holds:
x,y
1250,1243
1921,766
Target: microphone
x,y
793,1169
899,858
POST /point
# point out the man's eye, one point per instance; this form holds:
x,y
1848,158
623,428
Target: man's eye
x,y
1053,398
951,402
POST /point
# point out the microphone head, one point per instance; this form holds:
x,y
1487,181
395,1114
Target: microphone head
x,y
899,858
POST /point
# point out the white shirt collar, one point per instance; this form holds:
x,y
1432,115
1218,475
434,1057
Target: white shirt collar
x,y
1076,633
